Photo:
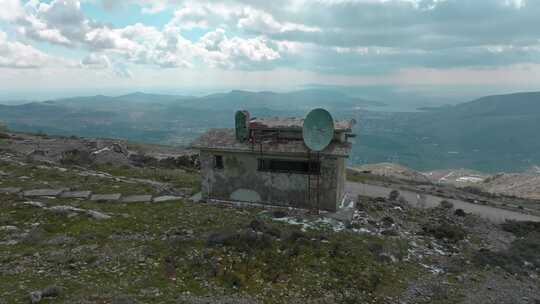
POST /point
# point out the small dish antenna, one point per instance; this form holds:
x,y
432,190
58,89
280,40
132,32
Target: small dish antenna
x,y
318,129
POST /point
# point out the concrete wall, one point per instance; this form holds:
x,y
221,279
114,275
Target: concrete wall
x,y
341,179
240,180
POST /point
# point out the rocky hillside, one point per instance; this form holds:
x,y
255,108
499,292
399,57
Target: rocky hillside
x,y
76,228
391,170
524,185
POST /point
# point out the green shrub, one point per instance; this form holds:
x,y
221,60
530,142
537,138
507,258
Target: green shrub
x,y
3,131
521,229
446,204
450,232
522,254
394,194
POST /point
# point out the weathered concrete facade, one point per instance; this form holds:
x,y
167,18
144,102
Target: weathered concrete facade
x,y
241,180
236,171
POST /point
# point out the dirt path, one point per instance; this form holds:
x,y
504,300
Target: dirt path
x,y
427,201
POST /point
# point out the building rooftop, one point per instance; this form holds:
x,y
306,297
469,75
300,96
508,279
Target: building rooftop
x,y
294,123
225,140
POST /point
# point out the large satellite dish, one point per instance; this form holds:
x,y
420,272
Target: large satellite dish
x,y
318,129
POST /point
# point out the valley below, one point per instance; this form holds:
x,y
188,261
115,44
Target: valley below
x,y
484,135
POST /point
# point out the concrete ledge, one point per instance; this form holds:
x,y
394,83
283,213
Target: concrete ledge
x,y
43,192
166,198
137,199
76,194
106,197
10,190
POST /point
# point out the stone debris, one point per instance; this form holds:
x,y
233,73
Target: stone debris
x,y
137,199
106,197
2,173
34,204
196,197
186,191
166,198
76,194
43,192
49,292
69,209
10,190
8,228
98,215
65,209
36,296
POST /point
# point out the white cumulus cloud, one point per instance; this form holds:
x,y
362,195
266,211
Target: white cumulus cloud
x,y
14,54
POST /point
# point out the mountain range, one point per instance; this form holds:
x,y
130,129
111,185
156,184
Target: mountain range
x,y
488,134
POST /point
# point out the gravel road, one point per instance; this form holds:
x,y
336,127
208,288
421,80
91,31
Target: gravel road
x,y
427,201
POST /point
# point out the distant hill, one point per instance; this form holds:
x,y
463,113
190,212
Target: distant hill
x,y
304,99
493,133
499,105
167,119
502,123
490,134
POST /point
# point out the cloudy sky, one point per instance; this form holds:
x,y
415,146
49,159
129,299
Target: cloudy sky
x,y
71,46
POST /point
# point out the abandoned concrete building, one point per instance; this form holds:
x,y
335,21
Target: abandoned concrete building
x,y
266,160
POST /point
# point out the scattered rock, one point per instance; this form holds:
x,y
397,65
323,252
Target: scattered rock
x,y
51,291
69,209
166,198
76,194
460,212
65,210
344,215
394,194
10,190
98,215
106,197
137,199
61,240
186,191
48,292
8,228
34,204
196,197
387,221
390,232
35,296
43,192
123,300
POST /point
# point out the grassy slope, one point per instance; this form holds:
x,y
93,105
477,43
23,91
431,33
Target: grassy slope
x,y
128,254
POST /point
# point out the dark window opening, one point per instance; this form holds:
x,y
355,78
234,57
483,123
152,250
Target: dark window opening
x,y
289,166
218,161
